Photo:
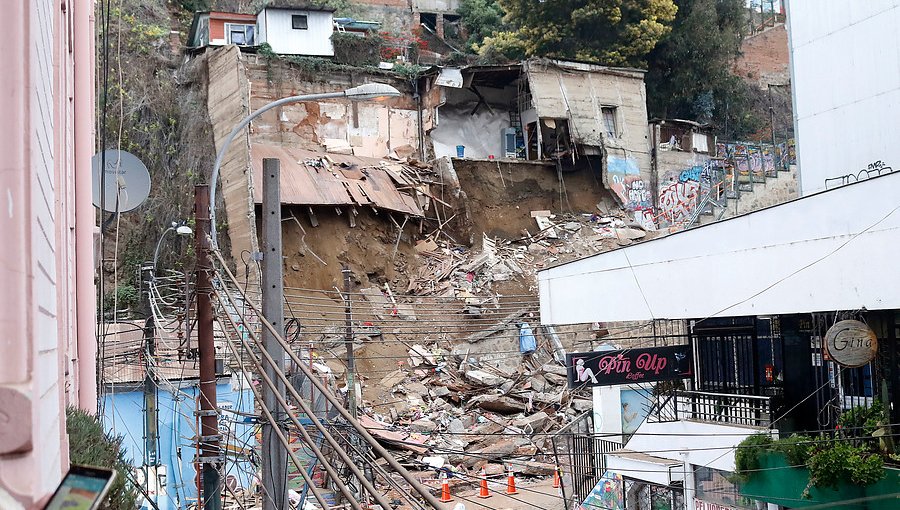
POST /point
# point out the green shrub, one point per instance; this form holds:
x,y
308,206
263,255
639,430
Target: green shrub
x,y
746,458
90,445
353,50
839,462
797,449
862,421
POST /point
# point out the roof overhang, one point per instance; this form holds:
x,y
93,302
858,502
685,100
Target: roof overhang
x,y
645,467
835,250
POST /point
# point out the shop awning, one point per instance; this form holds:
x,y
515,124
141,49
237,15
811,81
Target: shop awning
x,y
835,250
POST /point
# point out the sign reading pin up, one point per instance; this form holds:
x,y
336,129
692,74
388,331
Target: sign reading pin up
x,y
851,343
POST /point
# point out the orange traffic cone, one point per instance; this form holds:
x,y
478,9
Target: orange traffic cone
x,y
511,482
445,489
556,477
484,488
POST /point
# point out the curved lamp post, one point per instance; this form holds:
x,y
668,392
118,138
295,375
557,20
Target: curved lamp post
x,y
365,92
182,230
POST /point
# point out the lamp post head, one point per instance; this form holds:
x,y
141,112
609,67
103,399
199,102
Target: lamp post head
x,y
371,91
184,230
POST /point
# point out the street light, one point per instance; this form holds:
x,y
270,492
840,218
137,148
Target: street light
x,y
365,92
182,230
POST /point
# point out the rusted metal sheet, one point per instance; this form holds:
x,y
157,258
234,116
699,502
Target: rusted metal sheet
x,y
315,179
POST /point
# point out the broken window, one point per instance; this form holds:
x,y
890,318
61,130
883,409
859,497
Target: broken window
x,y
609,121
242,35
299,22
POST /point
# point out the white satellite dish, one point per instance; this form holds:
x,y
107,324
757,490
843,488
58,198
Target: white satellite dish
x,y
127,182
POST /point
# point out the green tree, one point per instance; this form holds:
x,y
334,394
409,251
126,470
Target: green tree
x,y
481,18
613,32
690,70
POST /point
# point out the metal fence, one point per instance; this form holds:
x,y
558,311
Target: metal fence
x,y
746,410
580,455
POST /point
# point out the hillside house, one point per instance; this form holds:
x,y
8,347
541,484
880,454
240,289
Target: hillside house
x,y
566,114
297,30
289,30
221,28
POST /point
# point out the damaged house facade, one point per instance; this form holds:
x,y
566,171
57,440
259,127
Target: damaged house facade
x,y
568,115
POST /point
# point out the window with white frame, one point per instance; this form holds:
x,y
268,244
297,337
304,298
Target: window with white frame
x,y
240,34
610,123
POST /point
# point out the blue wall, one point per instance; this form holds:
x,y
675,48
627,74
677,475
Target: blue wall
x,y
124,414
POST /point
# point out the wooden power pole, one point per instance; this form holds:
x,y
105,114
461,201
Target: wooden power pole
x,y
210,455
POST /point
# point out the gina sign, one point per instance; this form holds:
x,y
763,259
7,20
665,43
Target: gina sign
x,y
851,343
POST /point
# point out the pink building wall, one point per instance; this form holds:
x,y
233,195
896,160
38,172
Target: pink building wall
x,y
48,345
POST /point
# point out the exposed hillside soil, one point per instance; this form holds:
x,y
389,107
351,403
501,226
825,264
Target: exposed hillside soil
x,y
501,195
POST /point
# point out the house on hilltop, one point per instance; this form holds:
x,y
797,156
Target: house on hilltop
x,y
287,29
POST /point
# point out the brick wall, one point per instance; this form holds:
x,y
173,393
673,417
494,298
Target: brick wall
x,y
765,58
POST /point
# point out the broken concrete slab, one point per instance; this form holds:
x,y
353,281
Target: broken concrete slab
x,y
498,404
483,378
550,368
531,467
533,423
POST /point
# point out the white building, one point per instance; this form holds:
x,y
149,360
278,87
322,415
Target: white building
x,y
297,30
831,250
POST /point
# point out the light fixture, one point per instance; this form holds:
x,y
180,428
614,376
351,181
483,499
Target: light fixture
x,y
371,92
184,230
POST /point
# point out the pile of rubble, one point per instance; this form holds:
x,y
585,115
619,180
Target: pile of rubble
x,y
461,415
449,270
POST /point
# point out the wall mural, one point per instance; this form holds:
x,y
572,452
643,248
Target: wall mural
x,y
624,179
608,494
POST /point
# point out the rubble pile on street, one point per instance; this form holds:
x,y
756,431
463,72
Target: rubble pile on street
x,y
455,414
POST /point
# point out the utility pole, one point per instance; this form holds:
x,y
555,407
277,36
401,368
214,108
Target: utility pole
x,y
151,409
274,455
348,342
210,456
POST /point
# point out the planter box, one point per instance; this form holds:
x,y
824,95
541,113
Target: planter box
x,y
783,485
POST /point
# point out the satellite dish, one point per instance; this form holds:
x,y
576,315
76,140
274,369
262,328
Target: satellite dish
x,y
127,181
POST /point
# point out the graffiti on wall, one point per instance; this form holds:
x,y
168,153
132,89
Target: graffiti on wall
x,y
751,163
633,192
682,191
873,170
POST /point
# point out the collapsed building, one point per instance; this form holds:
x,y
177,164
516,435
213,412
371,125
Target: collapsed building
x,y
444,203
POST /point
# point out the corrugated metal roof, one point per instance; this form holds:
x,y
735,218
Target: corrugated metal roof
x,y
317,179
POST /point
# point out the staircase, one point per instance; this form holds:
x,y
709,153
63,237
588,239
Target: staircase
x,y
740,190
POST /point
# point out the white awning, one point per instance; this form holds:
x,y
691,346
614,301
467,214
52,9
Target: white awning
x,y
645,467
835,250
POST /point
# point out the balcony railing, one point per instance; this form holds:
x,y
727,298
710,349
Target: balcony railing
x,y
746,410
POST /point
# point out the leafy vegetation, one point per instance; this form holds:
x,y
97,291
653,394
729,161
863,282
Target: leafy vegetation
x,y
351,49
831,461
836,462
746,457
90,445
689,71
619,33
481,19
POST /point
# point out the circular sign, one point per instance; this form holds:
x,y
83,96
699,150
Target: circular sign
x,y
125,181
851,343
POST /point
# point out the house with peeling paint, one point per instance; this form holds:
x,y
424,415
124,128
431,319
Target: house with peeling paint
x,y
567,115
